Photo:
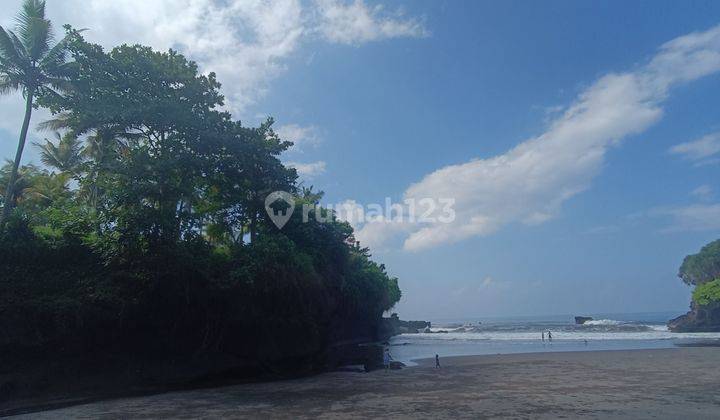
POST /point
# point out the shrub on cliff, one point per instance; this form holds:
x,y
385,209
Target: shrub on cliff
x,y
707,293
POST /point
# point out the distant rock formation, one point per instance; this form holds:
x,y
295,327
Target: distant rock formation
x,y
701,270
582,319
701,318
394,326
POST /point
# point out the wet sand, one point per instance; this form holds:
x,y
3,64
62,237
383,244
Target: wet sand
x,y
637,384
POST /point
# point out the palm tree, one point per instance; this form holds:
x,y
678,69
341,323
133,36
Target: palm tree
x,y
24,180
46,188
66,156
28,63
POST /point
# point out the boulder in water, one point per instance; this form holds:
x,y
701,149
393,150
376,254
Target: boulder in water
x,y
395,365
394,325
582,319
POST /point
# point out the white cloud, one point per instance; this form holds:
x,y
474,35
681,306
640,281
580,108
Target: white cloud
x,y
375,225
529,183
301,136
698,217
246,42
243,41
378,234
487,282
700,150
354,22
308,170
703,192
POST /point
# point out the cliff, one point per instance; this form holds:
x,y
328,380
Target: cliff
x,y
701,270
701,318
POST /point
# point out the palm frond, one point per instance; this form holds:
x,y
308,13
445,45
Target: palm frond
x,y
66,156
54,84
24,62
8,84
37,38
61,121
55,57
31,9
49,153
9,54
34,28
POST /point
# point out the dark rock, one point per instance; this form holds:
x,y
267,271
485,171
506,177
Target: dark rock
x,y
701,318
394,326
373,356
395,365
406,330
582,319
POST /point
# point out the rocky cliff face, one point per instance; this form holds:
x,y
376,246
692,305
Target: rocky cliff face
x,y
394,326
701,318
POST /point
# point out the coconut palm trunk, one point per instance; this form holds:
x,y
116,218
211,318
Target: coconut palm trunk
x,y
10,190
29,64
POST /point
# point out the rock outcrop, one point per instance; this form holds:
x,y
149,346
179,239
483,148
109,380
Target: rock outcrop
x,y
701,318
394,326
582,319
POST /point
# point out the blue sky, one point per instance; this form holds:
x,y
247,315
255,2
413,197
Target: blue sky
x,y
582,152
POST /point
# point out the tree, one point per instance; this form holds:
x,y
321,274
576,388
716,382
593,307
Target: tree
x,y
66,156
702,267
144,254
24,179
28,63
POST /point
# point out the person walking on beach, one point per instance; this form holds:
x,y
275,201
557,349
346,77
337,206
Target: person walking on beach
x,y
386,359
437,361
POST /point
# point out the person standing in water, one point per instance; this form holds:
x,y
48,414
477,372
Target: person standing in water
x,y
437,361
543,336
549,336
386,359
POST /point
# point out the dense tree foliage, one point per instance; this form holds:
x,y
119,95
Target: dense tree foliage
x,y
702,267
147,230
707,293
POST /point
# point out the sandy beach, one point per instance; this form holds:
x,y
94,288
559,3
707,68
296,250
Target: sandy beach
x,y
666,383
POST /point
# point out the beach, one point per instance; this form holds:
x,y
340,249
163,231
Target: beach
x,y
658,383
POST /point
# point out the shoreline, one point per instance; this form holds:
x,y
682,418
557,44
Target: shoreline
x,y
665,383
421,361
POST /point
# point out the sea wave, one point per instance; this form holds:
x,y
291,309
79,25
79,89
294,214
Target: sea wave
x,y
603,322
651,333
606,332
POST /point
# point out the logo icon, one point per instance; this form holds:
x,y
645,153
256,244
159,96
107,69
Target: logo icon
x,y
279,206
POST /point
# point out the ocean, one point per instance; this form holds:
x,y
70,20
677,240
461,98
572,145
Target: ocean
x,y
468,337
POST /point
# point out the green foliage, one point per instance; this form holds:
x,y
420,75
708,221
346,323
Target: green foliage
x,y
707,293
66,156
702,267
152,237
